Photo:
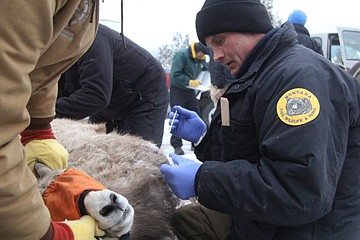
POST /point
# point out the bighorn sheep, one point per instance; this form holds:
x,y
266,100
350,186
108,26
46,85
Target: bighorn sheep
x,y
127,165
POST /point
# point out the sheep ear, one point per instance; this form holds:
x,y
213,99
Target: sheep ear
x,y
42,170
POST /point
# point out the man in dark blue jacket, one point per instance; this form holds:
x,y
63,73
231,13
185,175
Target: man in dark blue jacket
x,y
124,87
298,19
280,159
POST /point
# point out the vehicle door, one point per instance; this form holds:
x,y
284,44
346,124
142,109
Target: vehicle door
x,y
349,46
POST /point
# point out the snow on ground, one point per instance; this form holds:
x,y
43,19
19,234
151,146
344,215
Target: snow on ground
x,y
167,148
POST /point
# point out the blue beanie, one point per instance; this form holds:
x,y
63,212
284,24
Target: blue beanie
x,y
298,17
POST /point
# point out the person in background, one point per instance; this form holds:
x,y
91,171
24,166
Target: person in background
x,y
124,87
39,41
298,19
280,159
186,67
220,78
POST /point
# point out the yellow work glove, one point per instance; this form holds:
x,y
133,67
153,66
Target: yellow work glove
x,y
194,83
85,228
47,151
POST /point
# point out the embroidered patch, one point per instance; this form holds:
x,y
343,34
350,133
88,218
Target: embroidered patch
x,y
82,12
67,35
298,106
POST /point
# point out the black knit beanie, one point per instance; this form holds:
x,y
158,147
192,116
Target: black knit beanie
x,y
218,16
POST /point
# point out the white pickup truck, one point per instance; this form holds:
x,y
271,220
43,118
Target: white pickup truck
x,y
341,47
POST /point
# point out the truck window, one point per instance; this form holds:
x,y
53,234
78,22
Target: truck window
x,y
335,50
352,45
318,40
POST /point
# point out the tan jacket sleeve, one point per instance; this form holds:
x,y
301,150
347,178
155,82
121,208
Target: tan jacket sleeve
x,y
39,41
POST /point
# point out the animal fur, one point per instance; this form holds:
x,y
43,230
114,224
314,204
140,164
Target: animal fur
x,y
127,165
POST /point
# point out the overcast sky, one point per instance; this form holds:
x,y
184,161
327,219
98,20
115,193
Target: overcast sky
x,y
153,23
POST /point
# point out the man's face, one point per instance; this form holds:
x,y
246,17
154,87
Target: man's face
x,y
232,48
200,55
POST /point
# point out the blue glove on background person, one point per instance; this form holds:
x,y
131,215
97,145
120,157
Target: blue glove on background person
x,y
187,124
181,176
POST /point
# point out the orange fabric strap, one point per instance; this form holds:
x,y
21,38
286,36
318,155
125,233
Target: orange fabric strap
x,y
61,196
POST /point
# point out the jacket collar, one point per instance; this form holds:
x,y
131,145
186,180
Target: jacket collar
x,y
272,42
301,29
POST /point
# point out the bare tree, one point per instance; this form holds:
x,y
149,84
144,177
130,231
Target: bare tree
x,y
273,16
167,51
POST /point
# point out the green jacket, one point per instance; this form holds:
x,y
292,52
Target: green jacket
x,y
185,67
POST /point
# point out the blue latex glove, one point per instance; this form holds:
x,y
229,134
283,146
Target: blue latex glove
x,y
181,176
187,124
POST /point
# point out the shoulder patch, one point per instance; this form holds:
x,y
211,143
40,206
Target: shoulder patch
x,y
82,12
297,107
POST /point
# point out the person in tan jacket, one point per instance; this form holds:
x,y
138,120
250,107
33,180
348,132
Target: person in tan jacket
x,y
39,41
